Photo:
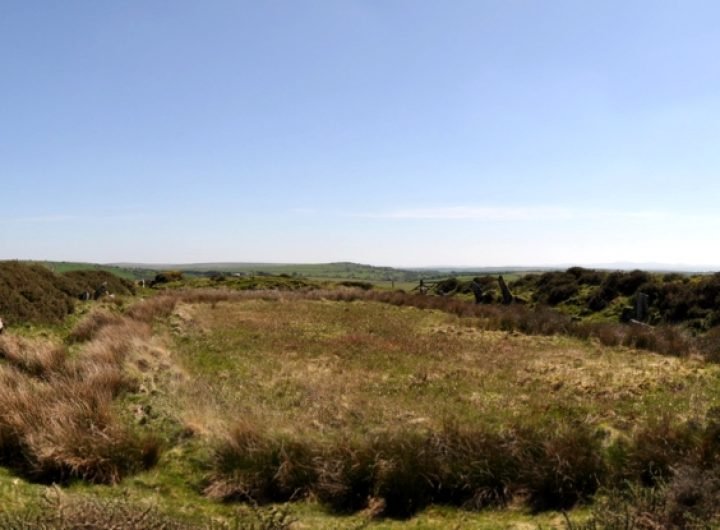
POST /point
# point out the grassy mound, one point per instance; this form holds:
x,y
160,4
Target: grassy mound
x,y
89,280
33,293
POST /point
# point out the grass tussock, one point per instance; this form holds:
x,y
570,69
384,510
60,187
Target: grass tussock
x,y
37,358
399,473
89,326
553,465
57,420
152,308
65,428
251,466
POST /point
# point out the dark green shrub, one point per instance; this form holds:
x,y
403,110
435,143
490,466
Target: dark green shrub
x,y
90,280
552,288
365,286
33,293
447,287
629,282
167,277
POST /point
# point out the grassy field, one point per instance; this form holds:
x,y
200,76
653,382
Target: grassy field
x,y
265,397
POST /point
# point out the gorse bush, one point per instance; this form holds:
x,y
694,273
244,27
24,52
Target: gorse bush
x,y
553,288
167,277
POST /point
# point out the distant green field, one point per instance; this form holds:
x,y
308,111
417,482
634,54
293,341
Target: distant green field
x,y
129,273
382,277
343,270
323,271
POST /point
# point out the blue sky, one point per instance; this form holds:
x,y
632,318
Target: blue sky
x,y
390,132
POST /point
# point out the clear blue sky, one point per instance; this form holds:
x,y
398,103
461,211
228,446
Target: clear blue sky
x,y
410,132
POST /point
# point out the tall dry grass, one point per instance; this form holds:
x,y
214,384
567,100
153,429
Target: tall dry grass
x,y
89,326
552,464
404,471
39,358
57,420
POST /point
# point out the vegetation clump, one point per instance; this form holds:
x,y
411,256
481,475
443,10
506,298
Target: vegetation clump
x,y
33,293
57,421
90,280
167,277
408,470
673,298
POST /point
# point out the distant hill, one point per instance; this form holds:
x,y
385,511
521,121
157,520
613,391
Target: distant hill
x,y
338,270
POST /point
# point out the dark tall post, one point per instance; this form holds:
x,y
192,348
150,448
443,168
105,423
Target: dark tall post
x,y
477,292
423,287
641,306
507,297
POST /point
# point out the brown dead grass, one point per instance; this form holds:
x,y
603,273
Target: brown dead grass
x,y
39,358
92,323
57,418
